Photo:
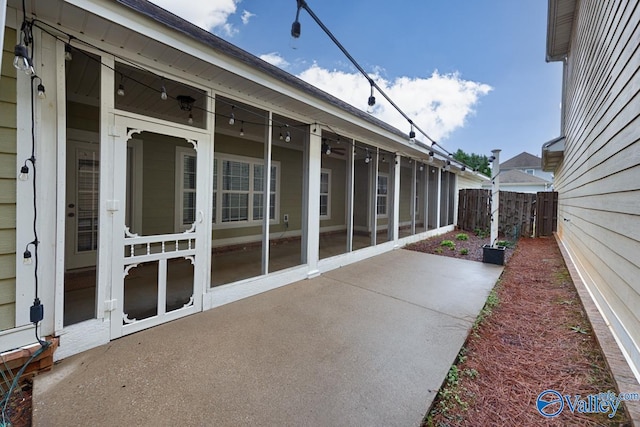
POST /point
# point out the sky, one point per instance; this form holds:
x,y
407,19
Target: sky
x,y
471,74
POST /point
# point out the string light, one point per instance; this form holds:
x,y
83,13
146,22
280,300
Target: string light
x,y
421,167
281,135
163,92
232,119
448,166
372,99
295,32
326,148
287,137
190,119
120,91
242,128
68,56
41,92
412,134
367,158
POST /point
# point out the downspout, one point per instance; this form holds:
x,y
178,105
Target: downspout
x,y
563,100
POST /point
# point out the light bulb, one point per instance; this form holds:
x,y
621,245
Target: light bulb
x,y
190,121
121,90
24,173
26,258
281,136
288,137
41,91
421,167
21,59
232,119
68,56
242,129
163,94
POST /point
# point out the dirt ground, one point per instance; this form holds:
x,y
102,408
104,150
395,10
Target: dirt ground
x,y
533,335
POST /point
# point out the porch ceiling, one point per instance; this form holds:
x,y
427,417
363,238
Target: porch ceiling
x,y
160,44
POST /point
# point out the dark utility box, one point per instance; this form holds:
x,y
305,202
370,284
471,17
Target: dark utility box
x,y
493,255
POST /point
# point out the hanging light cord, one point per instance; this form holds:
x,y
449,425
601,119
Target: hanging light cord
x,y
303,4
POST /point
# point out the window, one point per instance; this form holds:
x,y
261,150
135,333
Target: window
x,y
258,180
235,191
381,202
186,184
325,194
238,191
529,171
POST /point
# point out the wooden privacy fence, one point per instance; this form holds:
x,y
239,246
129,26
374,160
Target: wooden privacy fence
x,y
518,211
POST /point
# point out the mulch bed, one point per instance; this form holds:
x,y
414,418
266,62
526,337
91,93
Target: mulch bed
x,y
470,249
536,338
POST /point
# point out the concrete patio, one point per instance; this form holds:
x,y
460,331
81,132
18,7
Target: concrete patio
x,y
366,344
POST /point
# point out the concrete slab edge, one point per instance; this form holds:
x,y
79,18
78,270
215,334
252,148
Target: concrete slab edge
x,y
622,375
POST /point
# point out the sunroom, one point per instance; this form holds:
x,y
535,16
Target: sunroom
x,y
185,173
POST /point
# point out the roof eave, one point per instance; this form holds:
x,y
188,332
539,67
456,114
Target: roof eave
x,y
559,28
552,154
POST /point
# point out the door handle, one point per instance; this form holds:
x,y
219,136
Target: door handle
x,y
71,214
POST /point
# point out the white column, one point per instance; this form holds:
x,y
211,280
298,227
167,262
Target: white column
x,y
373,196
412,205
394,220
312,219
349,191
495,196
266,197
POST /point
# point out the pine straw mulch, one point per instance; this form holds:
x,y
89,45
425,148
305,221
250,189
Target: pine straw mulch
x,y
536,337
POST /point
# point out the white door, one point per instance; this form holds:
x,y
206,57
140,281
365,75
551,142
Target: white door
x,y
82,201
161,262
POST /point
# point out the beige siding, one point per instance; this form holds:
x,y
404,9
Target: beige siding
x,y
7,183
599,179
338,170
406,176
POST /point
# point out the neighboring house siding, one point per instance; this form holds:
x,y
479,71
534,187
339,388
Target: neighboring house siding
x,y
599,179
7,184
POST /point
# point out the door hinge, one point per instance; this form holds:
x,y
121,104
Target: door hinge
x,y
110,305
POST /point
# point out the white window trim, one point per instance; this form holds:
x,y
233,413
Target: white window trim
x,y
220,157
530,171
328,193
386,196
181,152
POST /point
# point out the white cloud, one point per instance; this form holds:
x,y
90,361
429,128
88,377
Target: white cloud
x,y
212,15
438,104
246,15
274,58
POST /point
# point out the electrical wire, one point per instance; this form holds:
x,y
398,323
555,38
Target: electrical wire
x,y
303,4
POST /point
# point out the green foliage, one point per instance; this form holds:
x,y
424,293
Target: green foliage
x,y
505,243
481,233
438,250
448,244
462,236
464,251
474,161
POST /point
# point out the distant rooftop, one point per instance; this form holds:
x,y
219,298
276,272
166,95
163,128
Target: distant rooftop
x,y
522,161
514,176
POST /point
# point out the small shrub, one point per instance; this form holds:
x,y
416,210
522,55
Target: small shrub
x,y
448,244
505,243
464,251
462,236
438,250
481,233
